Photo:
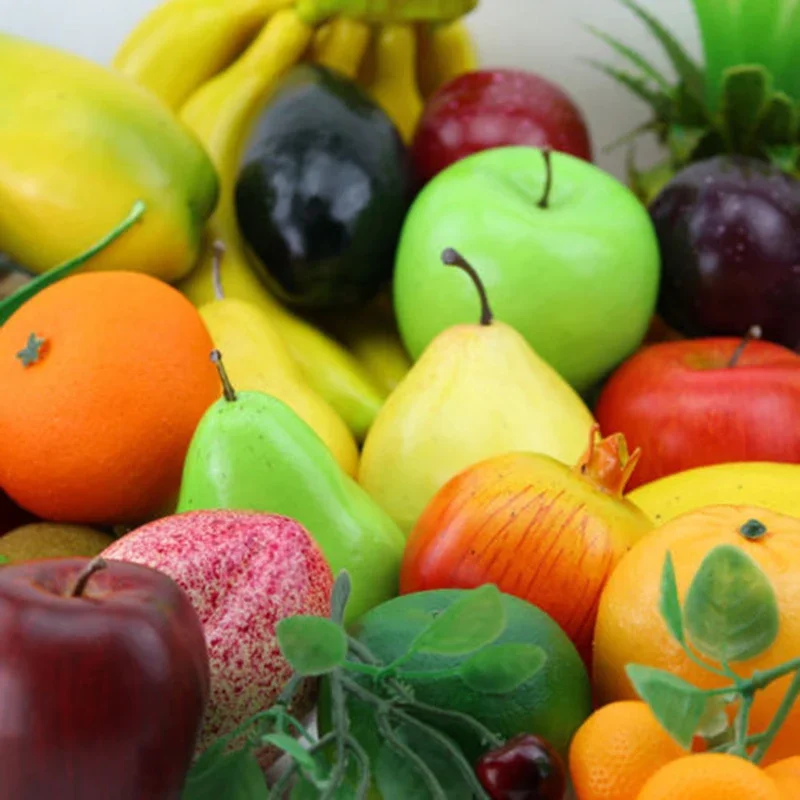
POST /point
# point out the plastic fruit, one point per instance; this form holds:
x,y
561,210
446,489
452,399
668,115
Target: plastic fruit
x,y
118,377
323,190
710,776
617,750
496,108
478,391
772,486
557,264
51,540
252,452
786,774
79,144
105,681
244,573
530,524
525,768
705,401
727,228
630,629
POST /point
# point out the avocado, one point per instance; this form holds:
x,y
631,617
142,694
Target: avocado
x,y
323,189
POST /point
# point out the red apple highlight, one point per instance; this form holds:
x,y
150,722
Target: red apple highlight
x,y
705,401
103,684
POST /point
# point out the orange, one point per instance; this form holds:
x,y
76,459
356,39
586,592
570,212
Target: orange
x,y
617,749
786,775
96,428
630,628
710,776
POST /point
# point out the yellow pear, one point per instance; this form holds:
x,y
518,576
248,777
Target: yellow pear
x,y
52,540
476,392
257,359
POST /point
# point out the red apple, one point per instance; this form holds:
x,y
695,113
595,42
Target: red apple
x,y
705,401
103,684
496,108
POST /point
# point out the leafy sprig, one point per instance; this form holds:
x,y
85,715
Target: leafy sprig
x,y
315,647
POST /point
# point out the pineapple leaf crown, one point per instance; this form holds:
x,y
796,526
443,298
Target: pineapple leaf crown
x,y
745,100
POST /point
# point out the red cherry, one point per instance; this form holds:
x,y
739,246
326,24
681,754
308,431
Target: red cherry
x,y
524,768
496,108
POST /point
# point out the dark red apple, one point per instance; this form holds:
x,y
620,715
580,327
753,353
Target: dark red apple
x,y
11,515
705,401
496,108
103,684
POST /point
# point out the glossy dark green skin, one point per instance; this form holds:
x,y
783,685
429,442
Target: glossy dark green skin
x,y
323,190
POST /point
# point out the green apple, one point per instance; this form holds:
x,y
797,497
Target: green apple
x,y
576,275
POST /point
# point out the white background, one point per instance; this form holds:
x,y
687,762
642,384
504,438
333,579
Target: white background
x,y
544,36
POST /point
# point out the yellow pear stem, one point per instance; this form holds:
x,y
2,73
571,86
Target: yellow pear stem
x,y
452,258
547,153
218,253
227,386
751,335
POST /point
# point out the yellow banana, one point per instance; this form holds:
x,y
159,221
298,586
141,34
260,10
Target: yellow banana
x,y
446,51
341,44
390,76
220,113
182,44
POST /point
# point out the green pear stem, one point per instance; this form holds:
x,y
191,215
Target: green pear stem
x,y
218,253
93,566
227,386
547,153
751,335
452,258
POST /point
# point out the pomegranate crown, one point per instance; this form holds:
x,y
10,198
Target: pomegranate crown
x,y
606,462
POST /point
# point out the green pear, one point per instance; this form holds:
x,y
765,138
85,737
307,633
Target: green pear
x,y
51,540
251,452
476,392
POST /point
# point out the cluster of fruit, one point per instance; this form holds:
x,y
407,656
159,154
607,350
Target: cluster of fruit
x,y
384,401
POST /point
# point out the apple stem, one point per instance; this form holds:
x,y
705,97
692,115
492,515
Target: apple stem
x,y
751,335
218,253
452,258
547,153
227,386
93,566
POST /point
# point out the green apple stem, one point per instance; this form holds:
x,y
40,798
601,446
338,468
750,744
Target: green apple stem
x,y
751,335
218,253
547,153
227,386
93,566
452,258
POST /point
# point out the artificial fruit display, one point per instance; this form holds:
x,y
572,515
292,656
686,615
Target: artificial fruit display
x,y
322,192
243,573
529,524
252,452
52,540
496,108
478,390
106,679
561,246
79,145
705,401
729,234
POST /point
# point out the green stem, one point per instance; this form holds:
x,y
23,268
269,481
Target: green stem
x,y
342,723
486,737
429,675
365,776
704,664
777,721
363,669
742,723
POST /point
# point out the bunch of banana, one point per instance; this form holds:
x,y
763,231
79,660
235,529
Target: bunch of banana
x,y
215,62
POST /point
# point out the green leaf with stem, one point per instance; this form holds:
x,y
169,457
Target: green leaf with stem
x,y
658,100
744,102
312,645
676,704
293,748
502,668
768,737
731,612
235,776
476,619
340,596
669,603
14,301
634,57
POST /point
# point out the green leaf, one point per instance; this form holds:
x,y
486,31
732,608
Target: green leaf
x,y
235,776
11,303
687,69
476,619
293,748
636,58
4,559
690,109
657,100
340,595
785,158
669,604
715,719
502,668
312,645
730,612
683,142
744,102
676,704
778,124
